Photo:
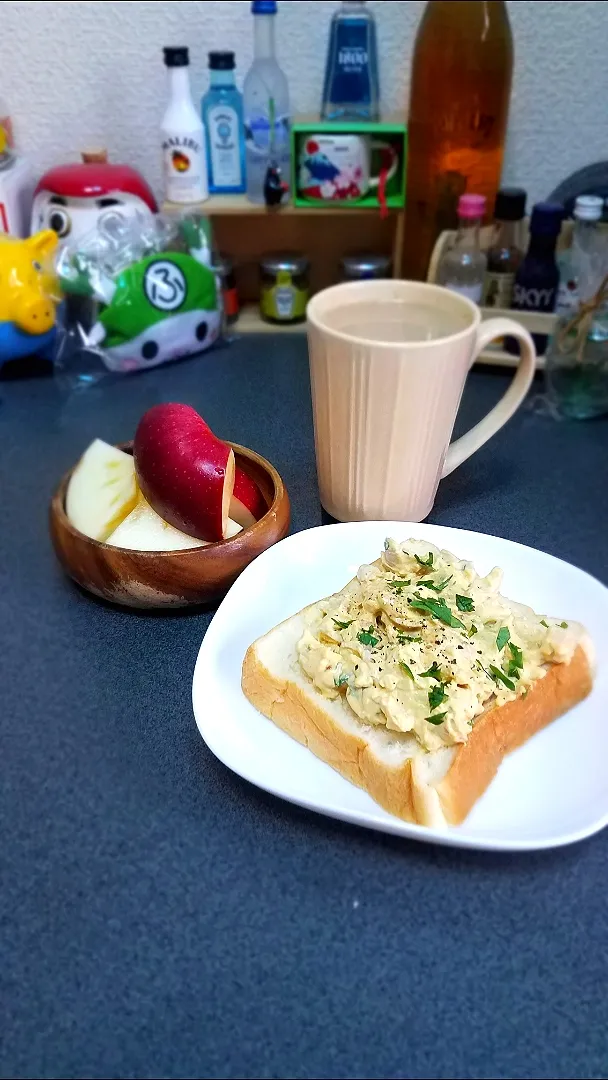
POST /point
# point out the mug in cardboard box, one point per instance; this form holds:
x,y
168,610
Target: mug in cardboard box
x,y
338,167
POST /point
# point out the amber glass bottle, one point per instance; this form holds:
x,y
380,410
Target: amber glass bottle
x,y
459,104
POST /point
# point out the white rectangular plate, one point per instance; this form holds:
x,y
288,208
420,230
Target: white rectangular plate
x,y
552,791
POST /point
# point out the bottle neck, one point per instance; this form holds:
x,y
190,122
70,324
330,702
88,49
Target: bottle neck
x,y
468,233
221,78
584,228
263,37
508,235
542,244
179,85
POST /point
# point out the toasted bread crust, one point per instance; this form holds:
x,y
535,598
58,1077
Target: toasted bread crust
x,y
301,713
502,729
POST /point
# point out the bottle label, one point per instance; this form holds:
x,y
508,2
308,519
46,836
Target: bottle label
x,y
223,124
498,291
472,292
184,167
349,81
283,301
567,297
257,134
531,298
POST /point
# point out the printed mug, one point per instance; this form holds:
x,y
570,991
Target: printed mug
x,y
339,167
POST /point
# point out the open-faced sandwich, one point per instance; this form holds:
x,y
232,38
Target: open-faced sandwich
x,y
417,679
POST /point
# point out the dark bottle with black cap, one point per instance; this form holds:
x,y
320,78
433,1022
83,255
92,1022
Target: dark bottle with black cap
x,y
222,109
537,279
507,249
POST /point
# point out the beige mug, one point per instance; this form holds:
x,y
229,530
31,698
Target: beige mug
x,y
388,364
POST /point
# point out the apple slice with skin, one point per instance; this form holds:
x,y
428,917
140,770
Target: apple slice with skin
x,y
247,504
184,472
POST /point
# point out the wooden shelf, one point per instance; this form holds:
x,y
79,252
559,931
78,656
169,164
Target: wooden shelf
x,y
229,205
251,322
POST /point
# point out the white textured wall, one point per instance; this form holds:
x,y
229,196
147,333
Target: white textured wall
x,y
82,74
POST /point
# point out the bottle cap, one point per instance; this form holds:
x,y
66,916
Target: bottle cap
x,y
510,204
547,218
588,208
221,61
176,57
471,206
264,7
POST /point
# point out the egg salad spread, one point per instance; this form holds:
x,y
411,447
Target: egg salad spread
x,y
422,644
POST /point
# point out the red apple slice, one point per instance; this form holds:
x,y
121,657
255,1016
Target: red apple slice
x,y
184,471
247,504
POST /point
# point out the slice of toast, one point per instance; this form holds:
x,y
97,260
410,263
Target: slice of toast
x,y
435,788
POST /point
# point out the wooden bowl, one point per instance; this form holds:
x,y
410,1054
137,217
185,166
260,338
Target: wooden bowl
x,y
170,579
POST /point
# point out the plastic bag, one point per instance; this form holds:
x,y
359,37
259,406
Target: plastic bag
x,y
139,292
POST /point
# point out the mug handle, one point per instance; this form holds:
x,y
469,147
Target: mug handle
x,y
467,444
378,145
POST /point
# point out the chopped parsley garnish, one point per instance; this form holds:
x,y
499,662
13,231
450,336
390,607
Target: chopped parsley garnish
x,y
437,719
408,670
502,637
403,639
472,631
437,588
342,625
425,562
499,676
564,625
437,696
434,672
399,585
517,657
366,637
543,623
341,680
464,603
516,662
439,609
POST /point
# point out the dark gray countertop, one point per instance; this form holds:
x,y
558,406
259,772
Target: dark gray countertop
x,y
162,918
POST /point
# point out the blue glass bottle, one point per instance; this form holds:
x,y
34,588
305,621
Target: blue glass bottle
x,y
350,90
222,111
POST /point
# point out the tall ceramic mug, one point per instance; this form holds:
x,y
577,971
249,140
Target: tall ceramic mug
x,y
388,364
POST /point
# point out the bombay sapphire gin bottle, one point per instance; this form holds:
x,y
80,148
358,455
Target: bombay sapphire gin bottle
x,y
350,90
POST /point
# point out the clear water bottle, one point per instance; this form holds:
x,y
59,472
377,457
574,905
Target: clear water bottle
x,y
265,106
350,90
463,266
588,210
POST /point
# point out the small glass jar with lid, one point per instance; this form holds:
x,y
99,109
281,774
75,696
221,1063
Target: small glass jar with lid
x,y
365,267
284,287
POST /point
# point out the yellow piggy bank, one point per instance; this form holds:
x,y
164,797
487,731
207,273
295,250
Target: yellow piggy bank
x,y
28,295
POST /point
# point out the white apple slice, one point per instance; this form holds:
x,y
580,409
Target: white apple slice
x,y
247,504
144,530
232,528
102,490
